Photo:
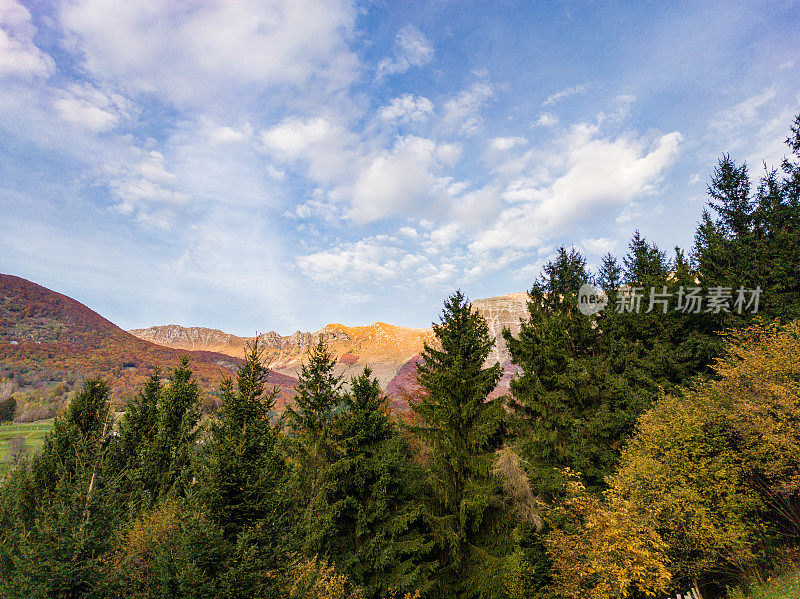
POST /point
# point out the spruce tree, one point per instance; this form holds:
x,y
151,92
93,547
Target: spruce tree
x,y
241,485
379,536
609,276
312,435
167,458
645,264
55,518
460,426
582,385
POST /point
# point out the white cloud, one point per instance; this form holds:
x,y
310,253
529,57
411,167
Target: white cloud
x,y
328,148
401,180
205,52
445,236
598,246
506,143
276,173
564,93
462,113
367,258
147,182
408,232
591,173
88,107
546,119
18,54
407,108
223,134
412,49
744,113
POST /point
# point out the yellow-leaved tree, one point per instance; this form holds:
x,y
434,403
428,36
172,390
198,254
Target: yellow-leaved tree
x,y
717,470
601,547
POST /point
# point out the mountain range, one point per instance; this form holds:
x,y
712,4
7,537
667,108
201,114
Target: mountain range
x,y
391,351
48,339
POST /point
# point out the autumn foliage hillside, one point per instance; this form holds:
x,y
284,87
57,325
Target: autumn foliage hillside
x,y
49,341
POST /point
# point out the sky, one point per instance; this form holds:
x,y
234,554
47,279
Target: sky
x,y
279,165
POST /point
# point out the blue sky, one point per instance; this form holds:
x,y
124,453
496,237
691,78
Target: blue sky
x,y
278,165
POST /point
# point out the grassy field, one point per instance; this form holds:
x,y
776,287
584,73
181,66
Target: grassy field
x,y
782,587
33,433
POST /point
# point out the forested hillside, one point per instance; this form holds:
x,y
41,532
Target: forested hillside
x,y
50,343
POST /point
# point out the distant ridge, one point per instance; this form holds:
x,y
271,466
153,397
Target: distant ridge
x,y
390,350
47,338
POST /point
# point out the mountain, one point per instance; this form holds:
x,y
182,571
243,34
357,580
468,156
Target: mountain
x,y
50,342
391,351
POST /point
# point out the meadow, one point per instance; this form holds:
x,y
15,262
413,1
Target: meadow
x,y
33,434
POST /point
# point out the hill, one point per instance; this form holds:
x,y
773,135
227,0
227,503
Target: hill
x,y
50,342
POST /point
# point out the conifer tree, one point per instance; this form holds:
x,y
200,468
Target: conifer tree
x,y
55,520
460,425
645,264
312,432
168,456
241,485
137,432
379,541
582,384
609,276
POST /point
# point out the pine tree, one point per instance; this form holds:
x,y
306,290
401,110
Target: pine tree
x,y
55,518
609,276
168,456
645,264
460,426
137,431
241,485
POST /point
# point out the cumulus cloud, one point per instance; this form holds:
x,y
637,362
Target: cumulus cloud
x,y
146,183
407,108
408,232
381,257
506,143
462,113
86,106
18,54
546,119
598,246
401,180
412,49
375,256
190,53
591,173
327,148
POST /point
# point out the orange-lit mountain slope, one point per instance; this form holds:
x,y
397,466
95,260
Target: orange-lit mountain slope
x,y
389,350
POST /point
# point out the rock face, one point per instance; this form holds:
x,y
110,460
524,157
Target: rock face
x,y
381,346
503,311
391,351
